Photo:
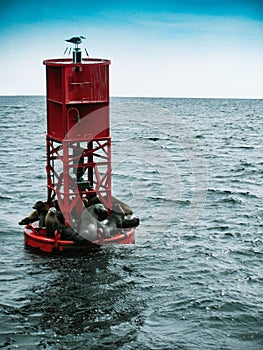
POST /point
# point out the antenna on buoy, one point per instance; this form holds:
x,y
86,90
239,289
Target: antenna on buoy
x,y
76,40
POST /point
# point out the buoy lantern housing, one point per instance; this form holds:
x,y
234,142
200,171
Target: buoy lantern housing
x,y
78,163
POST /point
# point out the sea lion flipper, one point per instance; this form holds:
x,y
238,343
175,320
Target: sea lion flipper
x,y
30,218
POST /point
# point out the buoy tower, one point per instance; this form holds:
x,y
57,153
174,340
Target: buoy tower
x,y
78,162
78,141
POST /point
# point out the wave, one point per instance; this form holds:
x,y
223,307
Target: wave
x,y
13,106
231,192
181,201
244,147
2,197
231,200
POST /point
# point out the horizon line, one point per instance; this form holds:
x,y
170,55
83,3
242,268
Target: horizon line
x,y
149,97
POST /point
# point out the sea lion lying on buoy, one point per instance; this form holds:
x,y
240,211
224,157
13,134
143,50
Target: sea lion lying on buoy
x,y
98,211
130,221
52,222
114,222
68,233
116,218
125,207
41,209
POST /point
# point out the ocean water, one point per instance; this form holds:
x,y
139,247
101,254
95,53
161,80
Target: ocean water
x,y
192,169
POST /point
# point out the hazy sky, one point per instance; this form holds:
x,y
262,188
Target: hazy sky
x,y
179,48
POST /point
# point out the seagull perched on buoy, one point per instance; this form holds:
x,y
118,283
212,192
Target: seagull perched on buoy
x,y
76,40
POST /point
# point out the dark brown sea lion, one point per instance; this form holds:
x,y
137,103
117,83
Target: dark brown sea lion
x,y
41,208
125,207
98,211
68,233
130,221
114,223
116,218
93,200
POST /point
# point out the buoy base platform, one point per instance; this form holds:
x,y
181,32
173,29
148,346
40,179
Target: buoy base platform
x,y
37,239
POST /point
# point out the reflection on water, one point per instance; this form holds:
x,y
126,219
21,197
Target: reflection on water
x,y
80,299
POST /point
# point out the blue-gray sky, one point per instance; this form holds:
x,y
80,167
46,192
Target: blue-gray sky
x,y
180,48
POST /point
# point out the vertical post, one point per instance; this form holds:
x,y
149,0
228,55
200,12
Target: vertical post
x,y
90,161
76,55
49,181
65,177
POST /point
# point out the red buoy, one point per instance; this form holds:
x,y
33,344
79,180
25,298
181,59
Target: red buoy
x,y
78,147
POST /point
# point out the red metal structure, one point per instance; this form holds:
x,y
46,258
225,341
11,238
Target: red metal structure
x,y
78,133
78,146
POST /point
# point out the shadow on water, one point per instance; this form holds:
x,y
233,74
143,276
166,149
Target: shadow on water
x,y
79,302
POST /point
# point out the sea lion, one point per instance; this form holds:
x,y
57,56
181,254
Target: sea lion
x,y
98,211
51,221
68,233
41,208
59,213
112,225
92,201
89,223
125,207
116,219
130,221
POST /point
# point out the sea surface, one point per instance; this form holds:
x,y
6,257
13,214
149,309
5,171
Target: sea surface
x,y
192,169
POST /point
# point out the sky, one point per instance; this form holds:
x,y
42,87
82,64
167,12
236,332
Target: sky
x,y
179,48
